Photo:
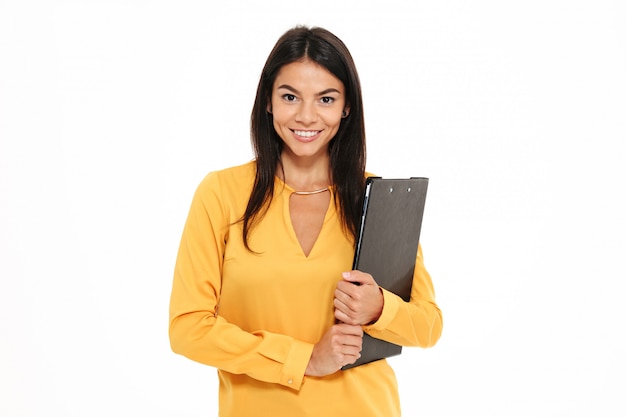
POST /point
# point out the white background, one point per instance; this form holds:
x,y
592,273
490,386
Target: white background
x,y
111,112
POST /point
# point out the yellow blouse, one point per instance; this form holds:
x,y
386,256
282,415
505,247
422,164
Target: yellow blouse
x,y
256,316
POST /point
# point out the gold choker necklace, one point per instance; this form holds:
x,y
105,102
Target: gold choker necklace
x,y
321,190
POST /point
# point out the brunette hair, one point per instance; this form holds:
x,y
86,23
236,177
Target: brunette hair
x,y
346,150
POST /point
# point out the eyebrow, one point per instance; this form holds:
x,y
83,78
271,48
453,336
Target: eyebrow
x,y
321,93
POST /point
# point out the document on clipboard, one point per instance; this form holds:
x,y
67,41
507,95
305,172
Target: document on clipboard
x,y
386,248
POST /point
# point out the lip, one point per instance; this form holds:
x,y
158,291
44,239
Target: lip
x,y
308,136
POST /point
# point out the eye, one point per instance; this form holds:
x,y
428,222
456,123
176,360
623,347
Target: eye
x,y
327,100
289,97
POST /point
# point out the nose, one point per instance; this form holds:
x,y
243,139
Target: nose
x,y
306,113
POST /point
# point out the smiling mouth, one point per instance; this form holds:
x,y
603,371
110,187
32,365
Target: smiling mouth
x,y
306,133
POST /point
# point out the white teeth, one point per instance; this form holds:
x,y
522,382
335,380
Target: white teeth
x,y
306,133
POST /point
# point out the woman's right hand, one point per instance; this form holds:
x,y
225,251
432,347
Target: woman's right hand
x,y
339,346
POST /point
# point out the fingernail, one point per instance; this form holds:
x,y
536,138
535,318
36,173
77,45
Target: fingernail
x,y
345,274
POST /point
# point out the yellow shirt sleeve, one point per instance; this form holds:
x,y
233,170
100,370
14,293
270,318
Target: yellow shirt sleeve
x,y
415,323
196,330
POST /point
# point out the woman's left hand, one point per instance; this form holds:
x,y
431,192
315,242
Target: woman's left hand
x,y
358,304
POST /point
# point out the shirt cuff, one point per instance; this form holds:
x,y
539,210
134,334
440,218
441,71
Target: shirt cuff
x,y
390,308
295,364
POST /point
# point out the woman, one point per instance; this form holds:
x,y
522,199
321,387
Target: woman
x,y
262,287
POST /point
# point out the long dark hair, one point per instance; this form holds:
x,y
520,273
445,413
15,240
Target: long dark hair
x,y
346,150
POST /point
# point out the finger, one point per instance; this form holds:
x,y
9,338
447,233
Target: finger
x,y
344,303
349,349
350,329
354,342
345,314
345,287
347,292
344,318
357,277
349,360
341,295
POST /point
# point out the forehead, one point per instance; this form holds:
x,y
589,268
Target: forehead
x,y
307,75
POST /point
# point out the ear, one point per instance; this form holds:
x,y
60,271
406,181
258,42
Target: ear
x,y
346,112
269,107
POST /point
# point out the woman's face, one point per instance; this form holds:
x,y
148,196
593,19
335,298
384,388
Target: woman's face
x,y
307,104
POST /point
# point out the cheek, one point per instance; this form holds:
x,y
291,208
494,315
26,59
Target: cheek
x,y
277,119
334,120
279,128
276,125
281,114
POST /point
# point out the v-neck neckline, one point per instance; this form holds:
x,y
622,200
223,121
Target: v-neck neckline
x,y
286,192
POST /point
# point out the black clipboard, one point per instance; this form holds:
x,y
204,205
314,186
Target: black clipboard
x,y
386,248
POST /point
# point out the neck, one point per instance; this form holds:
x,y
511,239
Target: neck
x,y
305,176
